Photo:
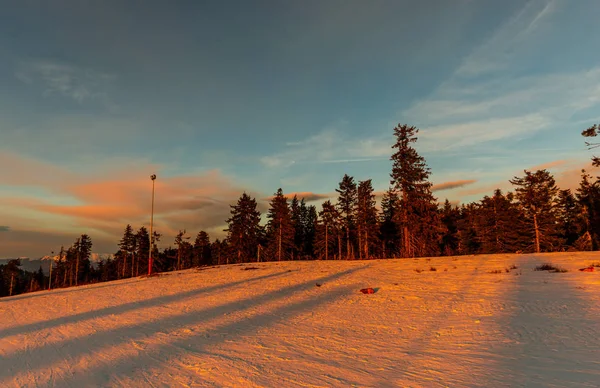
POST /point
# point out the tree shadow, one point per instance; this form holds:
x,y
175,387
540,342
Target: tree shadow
x,y
122,308
45,357
552,333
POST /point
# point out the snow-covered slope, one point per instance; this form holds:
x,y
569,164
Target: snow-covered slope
x,y
273,326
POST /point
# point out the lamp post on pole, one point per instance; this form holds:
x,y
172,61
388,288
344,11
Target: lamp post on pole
x,y
153,177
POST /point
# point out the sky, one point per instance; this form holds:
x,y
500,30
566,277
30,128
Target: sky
x,y
218,98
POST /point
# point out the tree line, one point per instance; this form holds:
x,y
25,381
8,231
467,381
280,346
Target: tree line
x,y
536,217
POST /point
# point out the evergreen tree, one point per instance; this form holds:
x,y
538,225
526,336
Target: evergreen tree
x,y
450,216
309,225
280,229
296,212
127,246
588,196
418,218
593,131
328,232
347,197
366,219
571,223
142,238
388,228
202,251
182,249
469,241
244,230
536,193
501,225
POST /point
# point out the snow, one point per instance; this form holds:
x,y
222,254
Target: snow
x,y
229,327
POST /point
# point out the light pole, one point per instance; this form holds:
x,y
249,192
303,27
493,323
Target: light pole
x,y
50,277
153,177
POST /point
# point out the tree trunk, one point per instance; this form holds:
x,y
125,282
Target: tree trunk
x,y
326,243
12,279
279,246
77,269
360,243
537,234
367,244
339,246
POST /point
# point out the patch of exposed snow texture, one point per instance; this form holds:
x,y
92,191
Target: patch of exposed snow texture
x,y
273,326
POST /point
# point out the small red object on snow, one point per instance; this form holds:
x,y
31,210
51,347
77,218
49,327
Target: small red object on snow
x,y
588,269
367,290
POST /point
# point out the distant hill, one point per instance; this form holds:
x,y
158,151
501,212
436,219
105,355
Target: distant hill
x,y
32,265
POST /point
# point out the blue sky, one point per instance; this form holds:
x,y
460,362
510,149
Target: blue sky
x,y
221,97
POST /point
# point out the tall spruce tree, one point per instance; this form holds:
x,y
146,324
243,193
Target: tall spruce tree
x,y
571,222
280,229
588,196
202,251
536,193
449,217
366,220
244,230
127,246
347,197
418,218
296,214
143,250
328,232
388,228
501,225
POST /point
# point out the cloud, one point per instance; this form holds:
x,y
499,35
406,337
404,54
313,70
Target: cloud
x,y
452,185
331,145
102,204
306,195
548,165
78,83
4,228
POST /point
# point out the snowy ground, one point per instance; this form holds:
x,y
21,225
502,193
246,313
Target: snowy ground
x,y
272,326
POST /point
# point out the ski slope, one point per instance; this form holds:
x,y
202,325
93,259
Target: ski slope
x,y
274,327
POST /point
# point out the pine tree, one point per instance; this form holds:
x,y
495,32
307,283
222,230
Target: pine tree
x,y
202,251
388,228
536,193
244,230
366,219
588,196
571,223
280,229
182,249
450,216
309,225
592,131
127,246
418,218
142,239
296,211
469,240
347,197
328,231
501,225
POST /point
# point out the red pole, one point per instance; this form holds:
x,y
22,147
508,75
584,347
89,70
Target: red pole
x,y
153,177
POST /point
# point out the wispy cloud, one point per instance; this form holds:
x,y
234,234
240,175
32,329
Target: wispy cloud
x,y
66,80
306,195
452,185
331,145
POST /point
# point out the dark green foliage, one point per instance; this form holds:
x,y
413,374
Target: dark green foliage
x,y
588,196
328,232
501,228
244,230
202,250
280,229
450,239
569,214
366,220
536,193
592,131
418,219
388,228
346,204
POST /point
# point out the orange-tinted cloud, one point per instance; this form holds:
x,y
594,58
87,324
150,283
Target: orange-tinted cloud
x,y
307,195
101,204
452,184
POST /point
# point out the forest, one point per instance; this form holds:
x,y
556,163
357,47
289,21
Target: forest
x,y
409,222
